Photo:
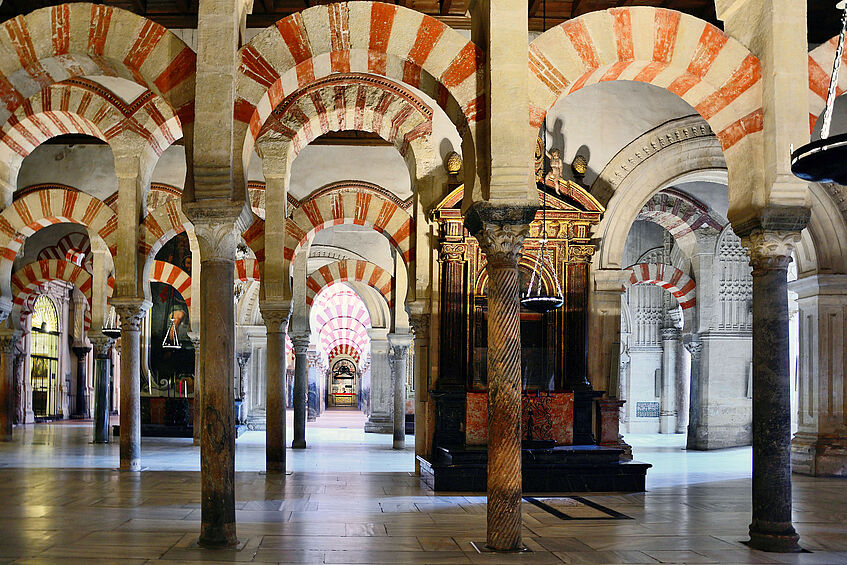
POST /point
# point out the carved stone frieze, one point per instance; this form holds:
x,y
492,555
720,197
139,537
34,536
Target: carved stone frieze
x,y
769,250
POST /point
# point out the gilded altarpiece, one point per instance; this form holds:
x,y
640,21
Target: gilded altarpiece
x,y
553,345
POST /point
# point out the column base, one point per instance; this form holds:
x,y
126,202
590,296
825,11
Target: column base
x,y
217,537
131,466
298,444
275,467
379,424
775,537
705,438
398,444
819,455
667,424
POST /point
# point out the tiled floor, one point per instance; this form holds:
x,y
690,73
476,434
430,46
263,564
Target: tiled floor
x,y
62,502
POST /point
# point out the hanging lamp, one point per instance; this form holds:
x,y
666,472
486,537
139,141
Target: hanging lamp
x,y
171,340
111,329
535,298
825,160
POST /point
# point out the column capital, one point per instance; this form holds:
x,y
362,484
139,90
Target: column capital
x,y
276,319
420,324
401,339
694,346
241,357
131,311
8,341
218,226
5,308
500,231
770,250
300,340
195,340
101,344
670,334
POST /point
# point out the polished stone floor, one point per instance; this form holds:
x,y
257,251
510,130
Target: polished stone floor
x,y
352,499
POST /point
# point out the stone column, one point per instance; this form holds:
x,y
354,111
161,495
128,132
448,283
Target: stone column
x,y
501,232
380,416
695,348
670,367
399,369
276,321
102,346
198,386
819,447
604,323
683,378
217,228
313,404
81,405
300,340
420,327
8,340
771,528
132,313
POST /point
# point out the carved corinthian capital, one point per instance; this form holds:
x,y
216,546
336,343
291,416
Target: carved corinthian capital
x,y
218,227
770,250
500,230
276,319
131,312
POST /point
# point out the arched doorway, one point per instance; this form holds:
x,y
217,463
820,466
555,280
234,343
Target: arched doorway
x,y
44,359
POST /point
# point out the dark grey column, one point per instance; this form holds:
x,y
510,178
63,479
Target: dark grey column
x,y
8,340
132,313
399,369
276,321
102,346
771,528
300,340
81,405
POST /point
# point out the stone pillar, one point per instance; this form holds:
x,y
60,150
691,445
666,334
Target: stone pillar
x,y
771,528
683,378
380,416
132,313
300,341
242,358
670,367
819,447
501,232
198,386
8,340
399,369
276,321
420,327
81,404
102,346
217,233
695,348
313,405
604,323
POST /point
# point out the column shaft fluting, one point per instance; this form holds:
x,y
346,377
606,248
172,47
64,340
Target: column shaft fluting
x,y
131,313
301,384
275,322
771,528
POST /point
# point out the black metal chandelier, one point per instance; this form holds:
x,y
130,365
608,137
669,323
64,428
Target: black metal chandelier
x,y
825,160
535,298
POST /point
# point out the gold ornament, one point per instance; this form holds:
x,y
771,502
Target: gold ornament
x,y
579,165
453,163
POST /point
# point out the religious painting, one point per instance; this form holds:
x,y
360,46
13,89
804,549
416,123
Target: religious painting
x,y
171,351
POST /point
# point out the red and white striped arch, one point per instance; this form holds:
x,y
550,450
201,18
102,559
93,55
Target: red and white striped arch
x,y
351,205
344,350
365,37
821,59
247,270
714,73
53,44
352,270
83,106
29,278
74,247
680,215
668,277
160,225
341,319
353,101
164,272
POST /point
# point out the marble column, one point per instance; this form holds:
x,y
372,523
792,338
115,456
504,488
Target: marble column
x,y
670,366
218,230
399,369
819,447
313,404
102,347
420,327
300,341
381,407
132,313
276,322
8,340
241,358
81,405
695,348
771,528
197,416
501,232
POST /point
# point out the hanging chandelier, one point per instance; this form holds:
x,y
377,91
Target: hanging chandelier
x,y
111,329
171,340
535,298
825,160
